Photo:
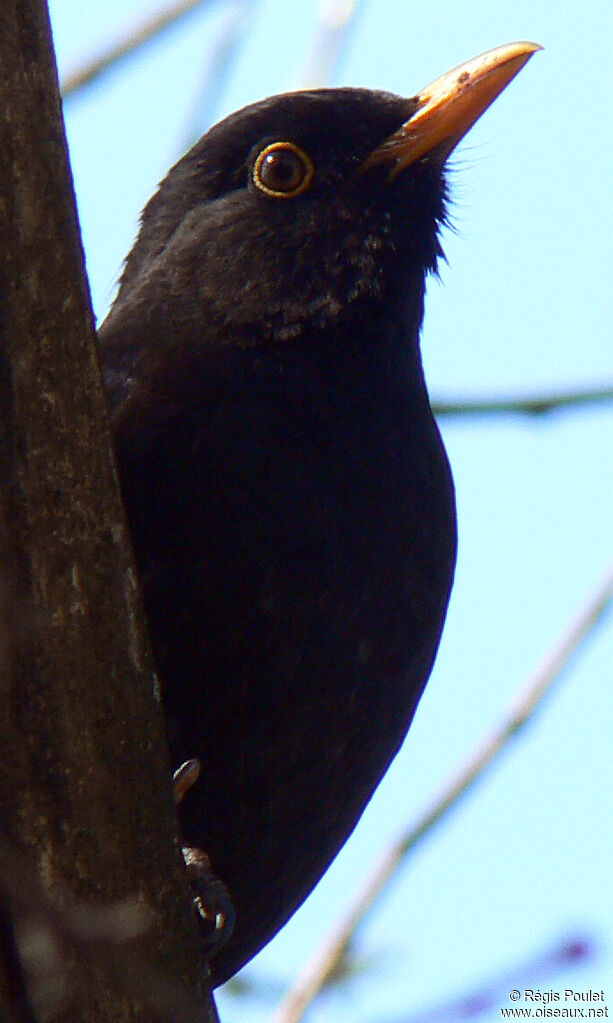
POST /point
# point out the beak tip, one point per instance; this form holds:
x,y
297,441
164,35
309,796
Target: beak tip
x,y
449,107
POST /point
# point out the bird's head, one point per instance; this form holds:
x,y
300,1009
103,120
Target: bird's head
x,y
304,209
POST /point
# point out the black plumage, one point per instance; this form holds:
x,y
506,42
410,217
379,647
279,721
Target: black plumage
x,y
289,497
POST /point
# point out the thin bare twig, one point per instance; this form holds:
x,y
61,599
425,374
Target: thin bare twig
x,y
528,404
128,45
327,957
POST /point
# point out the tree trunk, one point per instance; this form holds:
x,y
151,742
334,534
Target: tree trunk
x,y
95,912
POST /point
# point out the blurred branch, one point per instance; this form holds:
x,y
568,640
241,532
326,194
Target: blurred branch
x,y
134,40
575,951
327,957
536,404
233,32
330,36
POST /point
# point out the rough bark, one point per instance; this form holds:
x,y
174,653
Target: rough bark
x,y
93,894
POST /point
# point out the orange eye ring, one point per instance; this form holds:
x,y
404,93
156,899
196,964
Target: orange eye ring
x,y
283,170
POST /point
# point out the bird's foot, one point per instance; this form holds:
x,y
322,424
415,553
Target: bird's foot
x,y
212,900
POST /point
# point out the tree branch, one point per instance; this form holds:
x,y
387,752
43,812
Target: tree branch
x,y
534,405
132,41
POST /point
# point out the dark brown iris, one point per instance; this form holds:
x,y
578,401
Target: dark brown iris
x,y
283,170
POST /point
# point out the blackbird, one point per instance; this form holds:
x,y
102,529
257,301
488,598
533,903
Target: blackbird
x,y
288,494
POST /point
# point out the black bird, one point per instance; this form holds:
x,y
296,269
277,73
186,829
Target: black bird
x,y
288,493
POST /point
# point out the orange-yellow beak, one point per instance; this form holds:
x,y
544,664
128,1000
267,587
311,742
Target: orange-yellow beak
x,y
449,107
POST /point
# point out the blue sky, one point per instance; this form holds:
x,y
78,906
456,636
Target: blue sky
x,y
525,303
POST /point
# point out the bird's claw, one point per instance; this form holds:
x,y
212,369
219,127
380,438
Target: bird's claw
x,y
184,779
212,900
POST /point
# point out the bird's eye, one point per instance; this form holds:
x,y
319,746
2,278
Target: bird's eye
x,y
283,170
